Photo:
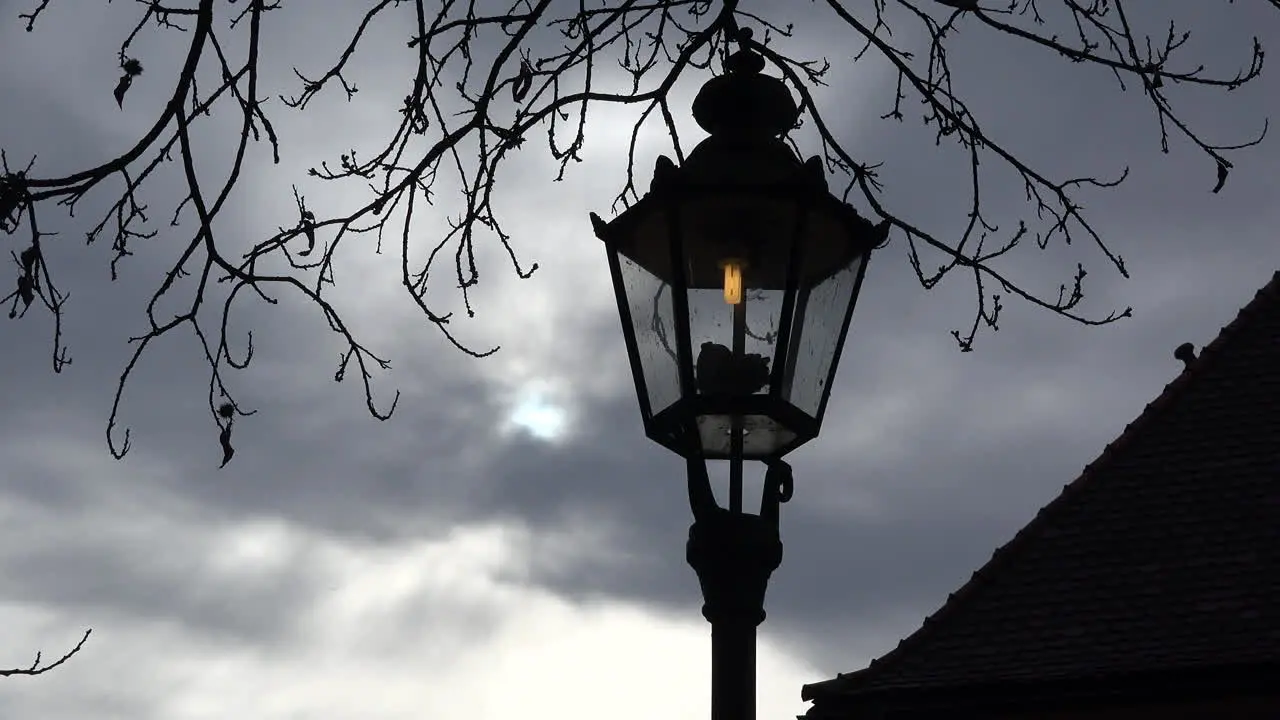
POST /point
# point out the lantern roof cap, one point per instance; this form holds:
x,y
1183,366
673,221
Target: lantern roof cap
x,y
743,101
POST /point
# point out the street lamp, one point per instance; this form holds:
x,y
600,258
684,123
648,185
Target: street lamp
x,y
736,277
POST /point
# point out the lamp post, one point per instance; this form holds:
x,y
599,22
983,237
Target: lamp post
x,y
736,277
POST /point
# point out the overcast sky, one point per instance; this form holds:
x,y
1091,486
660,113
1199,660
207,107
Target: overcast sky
x,y
510,543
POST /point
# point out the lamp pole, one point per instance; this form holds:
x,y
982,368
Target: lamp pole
x,y
733,554
742,221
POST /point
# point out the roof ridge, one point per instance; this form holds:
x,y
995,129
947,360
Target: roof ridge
x,y
956,600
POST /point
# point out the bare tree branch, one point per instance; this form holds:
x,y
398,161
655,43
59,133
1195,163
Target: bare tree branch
x,y
487,76
37,668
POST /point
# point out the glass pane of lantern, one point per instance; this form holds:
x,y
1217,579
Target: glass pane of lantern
x,y
711,332
820,313
751,233
762,437
649,298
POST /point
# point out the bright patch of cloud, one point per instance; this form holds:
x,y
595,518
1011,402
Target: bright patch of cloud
x,y
543,419
535,411
439,628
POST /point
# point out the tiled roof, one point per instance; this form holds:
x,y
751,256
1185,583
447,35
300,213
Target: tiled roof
x,y
1163,555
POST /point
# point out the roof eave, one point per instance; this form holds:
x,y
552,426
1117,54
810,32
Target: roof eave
x,y
1181,684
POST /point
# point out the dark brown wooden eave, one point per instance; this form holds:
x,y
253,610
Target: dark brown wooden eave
x,y
1183,685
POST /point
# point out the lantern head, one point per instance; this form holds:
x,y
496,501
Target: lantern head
x,y
736,277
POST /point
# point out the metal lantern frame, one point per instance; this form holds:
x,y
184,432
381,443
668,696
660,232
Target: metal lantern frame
x,y
745,113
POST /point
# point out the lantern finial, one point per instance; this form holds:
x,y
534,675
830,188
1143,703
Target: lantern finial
x,y
744,102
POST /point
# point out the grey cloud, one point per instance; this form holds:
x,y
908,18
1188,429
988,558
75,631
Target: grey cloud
x,y
929,459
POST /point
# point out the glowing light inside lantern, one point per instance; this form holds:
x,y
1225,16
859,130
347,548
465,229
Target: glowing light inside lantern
x,y
732,281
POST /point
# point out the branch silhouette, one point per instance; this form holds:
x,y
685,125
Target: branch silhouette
x,y
38,668
486,77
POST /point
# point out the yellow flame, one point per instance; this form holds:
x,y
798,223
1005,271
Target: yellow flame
x,y
733,281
